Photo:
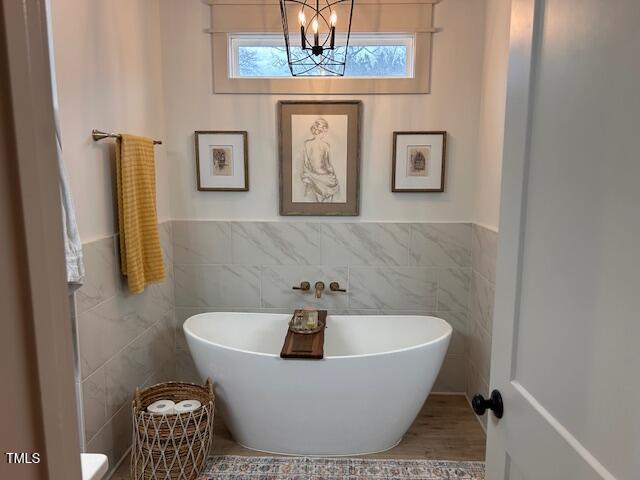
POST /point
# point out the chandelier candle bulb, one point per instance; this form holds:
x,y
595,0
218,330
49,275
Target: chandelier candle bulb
x,y
316,36
334,20
303,22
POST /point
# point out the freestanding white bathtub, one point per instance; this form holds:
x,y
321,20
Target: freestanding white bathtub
x,y
362,398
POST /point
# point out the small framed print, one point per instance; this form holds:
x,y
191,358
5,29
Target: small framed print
x,y
222,161
418,161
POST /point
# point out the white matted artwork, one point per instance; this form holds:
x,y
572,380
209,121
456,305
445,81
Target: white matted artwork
x,y
222,161
319,158
418,161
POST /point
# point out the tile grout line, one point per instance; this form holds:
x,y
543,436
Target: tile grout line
x,y
116,255
409,245
124,405
173,279
131,342
477,272
142,334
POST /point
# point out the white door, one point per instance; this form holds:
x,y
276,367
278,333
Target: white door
x,y
566,338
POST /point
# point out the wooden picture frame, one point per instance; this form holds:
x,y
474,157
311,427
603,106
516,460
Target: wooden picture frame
x,y
319,157
226,168
419,162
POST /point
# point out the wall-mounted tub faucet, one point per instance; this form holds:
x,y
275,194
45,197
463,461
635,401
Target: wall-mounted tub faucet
x,y
319,287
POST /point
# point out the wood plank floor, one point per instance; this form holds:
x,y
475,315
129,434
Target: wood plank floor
x,y
445,429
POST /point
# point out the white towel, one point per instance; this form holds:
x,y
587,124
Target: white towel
x,y
72,243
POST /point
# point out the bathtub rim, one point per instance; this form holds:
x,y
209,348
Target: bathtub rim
x,y
436,340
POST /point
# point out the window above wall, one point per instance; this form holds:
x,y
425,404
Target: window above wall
x,y
389,49
369,55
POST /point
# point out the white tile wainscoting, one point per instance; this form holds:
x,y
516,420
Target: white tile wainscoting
x,y
484,246
443,269
124,341
387,268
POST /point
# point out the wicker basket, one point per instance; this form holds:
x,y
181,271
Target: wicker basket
x,y
175,446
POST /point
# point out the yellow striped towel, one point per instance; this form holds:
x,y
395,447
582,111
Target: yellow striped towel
x,y
140,252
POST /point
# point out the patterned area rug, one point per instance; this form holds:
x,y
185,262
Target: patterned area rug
x,y
309,468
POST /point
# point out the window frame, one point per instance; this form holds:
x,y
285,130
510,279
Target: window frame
x,y
373,16
269,39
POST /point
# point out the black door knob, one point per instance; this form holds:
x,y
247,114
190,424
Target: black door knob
x,y
481,404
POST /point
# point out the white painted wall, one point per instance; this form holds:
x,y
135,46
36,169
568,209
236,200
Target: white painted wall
x,y
492,111
113,78
453,105
109,76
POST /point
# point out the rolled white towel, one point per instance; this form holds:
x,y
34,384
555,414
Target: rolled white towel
x,y
162,407
187,406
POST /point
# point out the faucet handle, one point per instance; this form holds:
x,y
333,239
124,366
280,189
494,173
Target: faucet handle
x,y
335,287
304,286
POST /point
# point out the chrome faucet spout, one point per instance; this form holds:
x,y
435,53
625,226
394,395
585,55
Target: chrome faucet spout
x,y
319,288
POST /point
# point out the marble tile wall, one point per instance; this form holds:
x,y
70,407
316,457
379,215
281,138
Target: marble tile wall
x,y
125,341
387,268
484,243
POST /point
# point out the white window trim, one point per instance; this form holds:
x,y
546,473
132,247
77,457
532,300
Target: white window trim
x,y
229,17
404,39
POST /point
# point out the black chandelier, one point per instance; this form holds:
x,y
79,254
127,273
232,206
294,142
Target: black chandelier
x,y
316,53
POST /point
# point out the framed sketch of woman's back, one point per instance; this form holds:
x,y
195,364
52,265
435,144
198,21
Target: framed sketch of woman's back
x,y
319,157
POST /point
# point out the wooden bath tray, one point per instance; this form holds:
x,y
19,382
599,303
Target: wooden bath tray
x,y
305,346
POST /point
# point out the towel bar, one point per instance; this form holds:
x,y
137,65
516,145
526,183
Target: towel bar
x,y
99,135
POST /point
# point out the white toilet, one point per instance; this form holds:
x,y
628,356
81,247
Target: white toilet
x,y
94,465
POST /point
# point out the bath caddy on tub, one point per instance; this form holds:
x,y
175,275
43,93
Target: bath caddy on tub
x,y
305,345
173,446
